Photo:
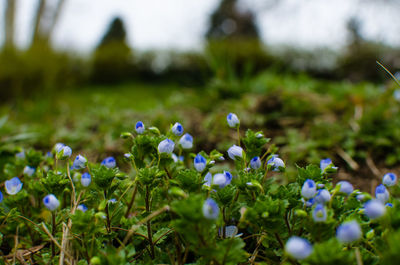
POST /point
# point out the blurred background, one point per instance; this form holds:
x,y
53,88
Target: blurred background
x,y
303,72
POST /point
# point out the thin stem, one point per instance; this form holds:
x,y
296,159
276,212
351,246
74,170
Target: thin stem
x,y
358,256
148,223
238,134
53,233
132,201
107,213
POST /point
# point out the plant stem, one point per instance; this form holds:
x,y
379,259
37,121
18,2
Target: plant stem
x,y
148,223
132,201
53,233
107,213
238,133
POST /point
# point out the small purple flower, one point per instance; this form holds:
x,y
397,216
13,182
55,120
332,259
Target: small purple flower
x,y
255,162
109,162
348,232
186,141
13,186
210,209
82,207
139,127
319,213
29,171
86,179
166,146
389,179
177,129
309,189
79,162
298,248
374,209
323,196
208,179
200,163
235,151
381,193
233,120
51,202
324,163
276,163
345,187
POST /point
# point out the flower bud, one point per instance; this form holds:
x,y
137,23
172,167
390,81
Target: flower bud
x,y
186,141
345,187
82,207
166,146
199,163
389,179
255,162
323,196
207,179
298,248
276,163
210,209
233,120
86,179
309,189
177,129
109,162
374,209
29,171
348,232
139,127
79,162
51,202
235,151
381,193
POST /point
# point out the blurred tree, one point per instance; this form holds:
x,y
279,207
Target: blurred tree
x,y
45,20
9,23
228,21
112,60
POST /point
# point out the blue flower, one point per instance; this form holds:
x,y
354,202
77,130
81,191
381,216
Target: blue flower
x,y
58,147
200,163
1,196
324,163
186,141
345,187
29,171
166,146
51,202
323,196
389,179
109,162
86,179
210,209
309,189
308,203
381,193
276,163
20,155
82,207
208,179
233,120
235,151
113,200
348,232
298,248
389,205
360,197
79,162
222,180
13,186
177,129
255,162
319,213
374,209
128,156
139,127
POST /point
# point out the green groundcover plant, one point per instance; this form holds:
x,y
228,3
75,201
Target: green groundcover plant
x,y
178,207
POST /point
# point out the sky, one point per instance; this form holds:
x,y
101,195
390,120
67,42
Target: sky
x,y
181,24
